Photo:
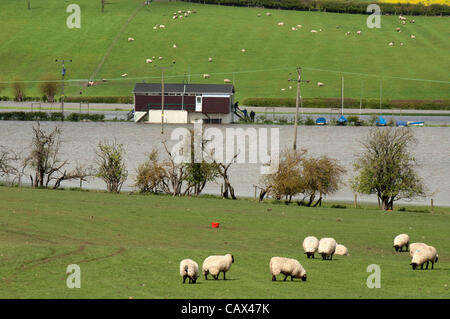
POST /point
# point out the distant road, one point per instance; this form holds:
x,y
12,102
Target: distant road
x,y
6,106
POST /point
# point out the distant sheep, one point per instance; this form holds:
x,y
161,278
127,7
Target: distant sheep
x,y
268,14
310,246
341,250
214,265
391,43
398,29
358,32
162,26
174,46
160,58
287,267
243,50
320,84
313,31
259,14
226,80
347,33
210,59
124,75
281,24
413,36
412,21
327,247
299,26
401,241
130,39
189,269
206,76
148,61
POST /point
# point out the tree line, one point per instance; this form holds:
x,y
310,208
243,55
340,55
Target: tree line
x,y
385,167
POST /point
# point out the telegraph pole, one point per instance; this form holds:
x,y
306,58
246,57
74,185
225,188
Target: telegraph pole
x,y
63,73
297,100
162,68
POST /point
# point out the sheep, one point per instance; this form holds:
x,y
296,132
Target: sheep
x,y
174,46
415,246
268,14
299,26
226,80
310,245
281,24
148,61
206,76
162,26
341,250
398,29
412,21
181,17
400,241
283,89
347,33
313,31
287,267
391,43
179,11
160,58
174,17
243,50
293,28
320,84
214,265
124,75
189,12
424,255
259,14
130,39
154,28
327,247
210,59
186,15
413,36
358,32
189,269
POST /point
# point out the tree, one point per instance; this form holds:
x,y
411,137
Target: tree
x,y
111,165
320,176
49,87
223,171
387,168
18,88
151,175
7,160
287,181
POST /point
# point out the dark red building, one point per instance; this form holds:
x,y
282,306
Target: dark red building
x,y
184,103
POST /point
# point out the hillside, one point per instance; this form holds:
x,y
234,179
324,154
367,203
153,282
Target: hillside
x,y
32,39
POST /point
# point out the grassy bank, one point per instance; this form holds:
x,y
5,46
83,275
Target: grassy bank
x,y
131,245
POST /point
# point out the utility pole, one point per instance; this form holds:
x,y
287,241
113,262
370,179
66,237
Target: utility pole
x,y
297,100
162,68
342,96
63,73
381,91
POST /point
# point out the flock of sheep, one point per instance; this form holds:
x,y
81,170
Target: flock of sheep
x,y
421,253
326,247
214,265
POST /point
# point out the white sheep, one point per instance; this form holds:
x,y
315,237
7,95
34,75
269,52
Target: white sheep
x,y
415,246
148,61
391,43
358,32
310,246
313,31
299,26
424,255
403,22
259,14
174,46
293,28
160,58
413,36
243,50
281,24
206,76
341,250
398,29
327,247
214,265
347,33
162,26
287,267
189,269
130,39
401,241
268,14
226,80
174,17
124,75
210,59
320,84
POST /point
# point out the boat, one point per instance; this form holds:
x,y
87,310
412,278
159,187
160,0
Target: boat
x,y
342,120
415,123
401,124
321,121
380,122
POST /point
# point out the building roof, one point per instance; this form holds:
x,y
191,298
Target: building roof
x,y
180,87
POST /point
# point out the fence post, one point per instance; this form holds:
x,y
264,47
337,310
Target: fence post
x,y
356,201
432,206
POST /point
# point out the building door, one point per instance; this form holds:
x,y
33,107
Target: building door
x,y
198,104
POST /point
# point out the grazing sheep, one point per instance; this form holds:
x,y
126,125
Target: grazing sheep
x,y
398,29
154,28
124,75
90,83
209,59
174,17
130,39
401,241
293,28
181,17
358,32
226,80
401,43
310,246
174,46
259,14
148,61
189,269
268,14
206,76
214,265
290,87
243,50
341,250
327,247
281,24
189,11
416,246
160,58
162,26
320,84
413,36
283,89
179,11
412,21
347,33
186,15
424,255
287,267
313,31
391,43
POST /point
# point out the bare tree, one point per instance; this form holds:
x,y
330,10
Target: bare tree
x,y
80,172
111,165
18,90
387,168
49,87
223,172
8,164
176,173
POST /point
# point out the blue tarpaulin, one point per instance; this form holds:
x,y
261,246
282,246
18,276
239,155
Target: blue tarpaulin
x,y
321,121
381,121
342,120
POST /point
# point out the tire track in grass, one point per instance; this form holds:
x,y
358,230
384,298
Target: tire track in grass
x,y
108,51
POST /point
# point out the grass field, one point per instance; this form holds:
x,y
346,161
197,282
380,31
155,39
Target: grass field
x,y
32,39
131,246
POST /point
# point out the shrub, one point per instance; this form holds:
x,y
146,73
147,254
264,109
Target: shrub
x,y
338,206
309,121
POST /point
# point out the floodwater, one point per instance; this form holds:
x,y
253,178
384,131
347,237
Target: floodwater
x,y
342,143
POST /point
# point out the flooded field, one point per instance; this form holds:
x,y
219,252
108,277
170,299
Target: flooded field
x,y
342,143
